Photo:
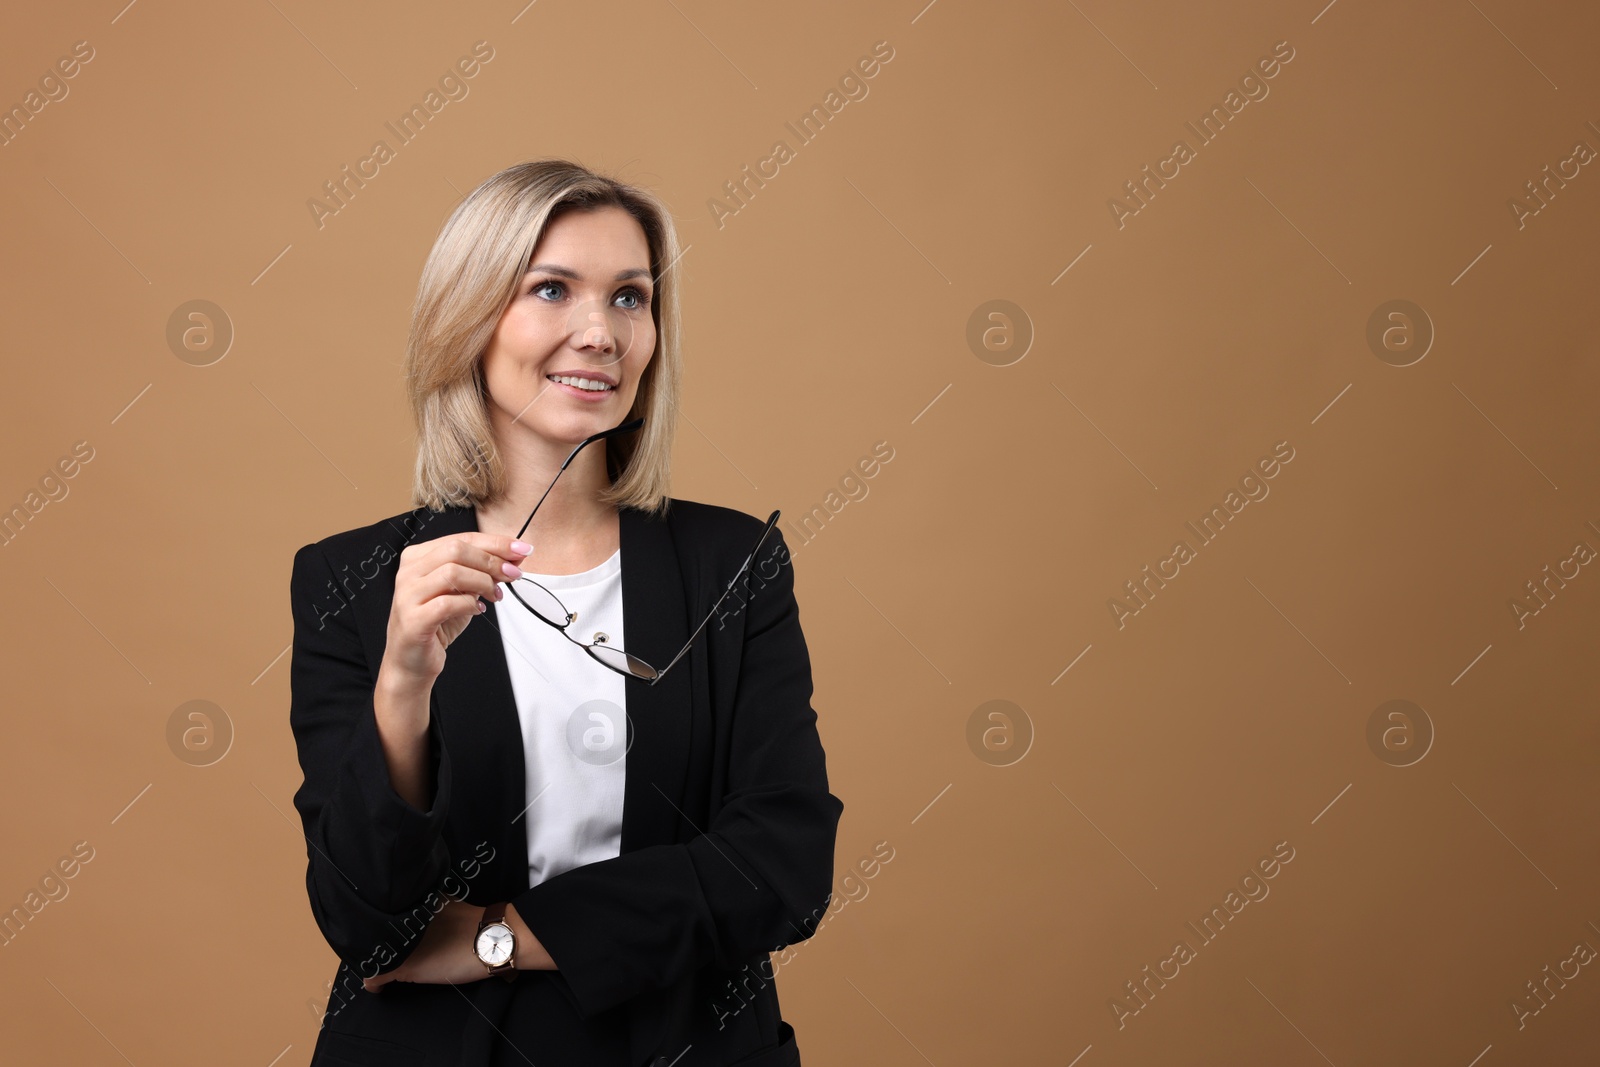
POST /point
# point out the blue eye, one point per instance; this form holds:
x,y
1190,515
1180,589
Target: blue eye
x,y
639,299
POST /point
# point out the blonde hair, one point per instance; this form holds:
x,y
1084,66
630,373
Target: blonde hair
x,y
470,278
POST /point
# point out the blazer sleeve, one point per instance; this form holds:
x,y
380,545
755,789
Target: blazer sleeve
x,y
372,857
757,878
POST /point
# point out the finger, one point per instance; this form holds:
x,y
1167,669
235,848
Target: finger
x,y
453,578
442,609
495,568
474,548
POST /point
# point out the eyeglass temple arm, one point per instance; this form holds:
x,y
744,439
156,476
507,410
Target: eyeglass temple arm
x,y
772,521
627,427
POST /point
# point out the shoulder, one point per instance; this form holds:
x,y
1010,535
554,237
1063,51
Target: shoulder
x,y
697,529
700,521
707,536
383,540
711,531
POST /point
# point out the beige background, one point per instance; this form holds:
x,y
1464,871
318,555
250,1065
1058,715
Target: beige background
x,y
830,313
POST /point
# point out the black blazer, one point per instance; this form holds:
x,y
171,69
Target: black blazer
x,y
727,832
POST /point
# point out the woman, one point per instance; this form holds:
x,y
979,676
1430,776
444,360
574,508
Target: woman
x,y
565,826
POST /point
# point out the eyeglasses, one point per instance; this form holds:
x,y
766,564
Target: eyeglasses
x,y
547,607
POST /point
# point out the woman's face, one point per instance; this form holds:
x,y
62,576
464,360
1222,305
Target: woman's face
x,y
581,315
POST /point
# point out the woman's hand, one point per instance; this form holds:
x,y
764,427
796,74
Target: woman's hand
x,y
436,591
447,955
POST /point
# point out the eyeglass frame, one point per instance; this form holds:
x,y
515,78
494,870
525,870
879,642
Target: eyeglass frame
x,y
626,427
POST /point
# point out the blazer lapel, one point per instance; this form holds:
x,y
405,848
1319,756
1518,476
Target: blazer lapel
x,y
479,714
655,625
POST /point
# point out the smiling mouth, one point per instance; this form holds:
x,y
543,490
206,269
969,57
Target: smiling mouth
x,y
584,382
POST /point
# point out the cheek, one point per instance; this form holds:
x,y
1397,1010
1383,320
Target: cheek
x,y
509,366
498,370
530,330
642,351
643,345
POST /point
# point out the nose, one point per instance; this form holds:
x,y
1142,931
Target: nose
x,y
596,333
597,339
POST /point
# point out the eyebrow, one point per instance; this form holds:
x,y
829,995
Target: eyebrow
x,y
567,272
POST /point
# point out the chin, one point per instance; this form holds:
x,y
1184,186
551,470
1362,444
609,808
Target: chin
x,y
574,426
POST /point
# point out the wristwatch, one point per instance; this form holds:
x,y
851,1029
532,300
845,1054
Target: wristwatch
x,y
496,943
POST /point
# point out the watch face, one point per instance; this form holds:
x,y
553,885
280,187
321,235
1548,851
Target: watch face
x,y
494,944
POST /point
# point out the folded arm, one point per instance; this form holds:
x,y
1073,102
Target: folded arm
x,y
373,858
757,877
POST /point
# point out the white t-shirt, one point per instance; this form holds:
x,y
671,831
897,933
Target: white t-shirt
x,y
574,728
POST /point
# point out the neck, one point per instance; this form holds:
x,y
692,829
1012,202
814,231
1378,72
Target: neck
x,y
571,512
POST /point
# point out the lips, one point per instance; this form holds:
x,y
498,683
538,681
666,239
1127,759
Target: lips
x,y
597,395
593,376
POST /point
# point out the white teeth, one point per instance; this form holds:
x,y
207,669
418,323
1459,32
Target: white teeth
x,y
581,383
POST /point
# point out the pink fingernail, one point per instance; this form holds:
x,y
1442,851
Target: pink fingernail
x,y
511,570
521,546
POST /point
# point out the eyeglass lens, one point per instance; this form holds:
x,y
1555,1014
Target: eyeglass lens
x,y
545,604
541,601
